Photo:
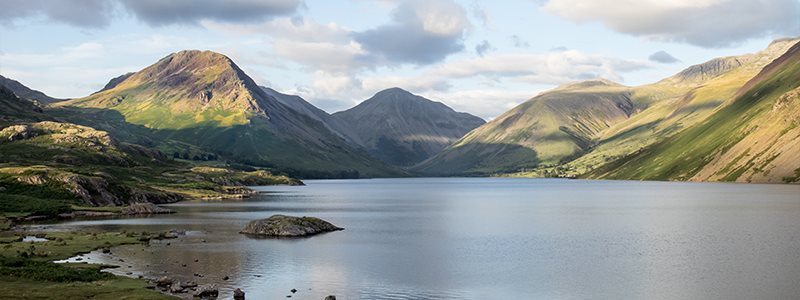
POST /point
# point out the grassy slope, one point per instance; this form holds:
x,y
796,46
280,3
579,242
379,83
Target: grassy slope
x,y
546,130
66,164
682,156
666,108
192,100
14,110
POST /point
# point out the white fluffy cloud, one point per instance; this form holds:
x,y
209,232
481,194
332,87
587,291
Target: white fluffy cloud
x,y
705,23
543,68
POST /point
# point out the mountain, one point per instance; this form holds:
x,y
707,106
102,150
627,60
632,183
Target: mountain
x,y
669,106
14,110
24,92
115,81
202,99
548,129
302,106
403,129
754,138
659,111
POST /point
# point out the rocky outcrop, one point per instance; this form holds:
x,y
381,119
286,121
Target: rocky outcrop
x,y
287,226
18,133
99,190
711,69
145,209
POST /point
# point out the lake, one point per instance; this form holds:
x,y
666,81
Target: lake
x,y
485,238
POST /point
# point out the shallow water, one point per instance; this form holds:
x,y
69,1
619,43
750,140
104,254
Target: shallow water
x,y
485,238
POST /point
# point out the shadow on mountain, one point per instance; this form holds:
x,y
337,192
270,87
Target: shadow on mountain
x,y
693,108
252,144
479,159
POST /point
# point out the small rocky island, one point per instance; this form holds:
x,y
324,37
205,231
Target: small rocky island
x,y
288,226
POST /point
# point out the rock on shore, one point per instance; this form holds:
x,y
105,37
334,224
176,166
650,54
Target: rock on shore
x,y
145,208
288,226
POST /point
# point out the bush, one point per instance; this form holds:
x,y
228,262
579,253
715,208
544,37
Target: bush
x,y
34,206
47,271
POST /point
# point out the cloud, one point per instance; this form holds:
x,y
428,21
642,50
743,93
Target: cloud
x,y
483,48
481,14
518,42
160,12
663,57
81,13
422,32
485,103
100,13
544,68
704,23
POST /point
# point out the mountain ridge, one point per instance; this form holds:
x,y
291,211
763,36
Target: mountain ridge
x,y
25,92
203,99
402,129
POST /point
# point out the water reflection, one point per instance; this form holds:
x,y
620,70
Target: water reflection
x,y
485,238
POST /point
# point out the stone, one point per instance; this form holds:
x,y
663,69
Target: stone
x,y
164,281
330,297
177,289
207,291
288,226
238,294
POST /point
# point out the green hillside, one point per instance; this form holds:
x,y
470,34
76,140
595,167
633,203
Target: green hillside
x,y
752,138
549,129
194,101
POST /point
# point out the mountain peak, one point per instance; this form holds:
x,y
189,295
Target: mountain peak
x,y
783,41
597,82
393,92
402,129
190,86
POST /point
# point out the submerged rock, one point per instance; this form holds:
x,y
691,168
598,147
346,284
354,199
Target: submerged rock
x,y
287,226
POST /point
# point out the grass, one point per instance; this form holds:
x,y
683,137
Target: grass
x,y
26,270
112,289
681,156
33,206
61,245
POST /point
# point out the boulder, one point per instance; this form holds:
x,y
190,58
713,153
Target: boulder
x,y
207,291
177,289
164,281
238,294
287,226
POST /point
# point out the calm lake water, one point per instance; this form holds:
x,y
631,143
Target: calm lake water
x,y
486,238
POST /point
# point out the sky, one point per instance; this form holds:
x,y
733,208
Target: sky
x,y
478,56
